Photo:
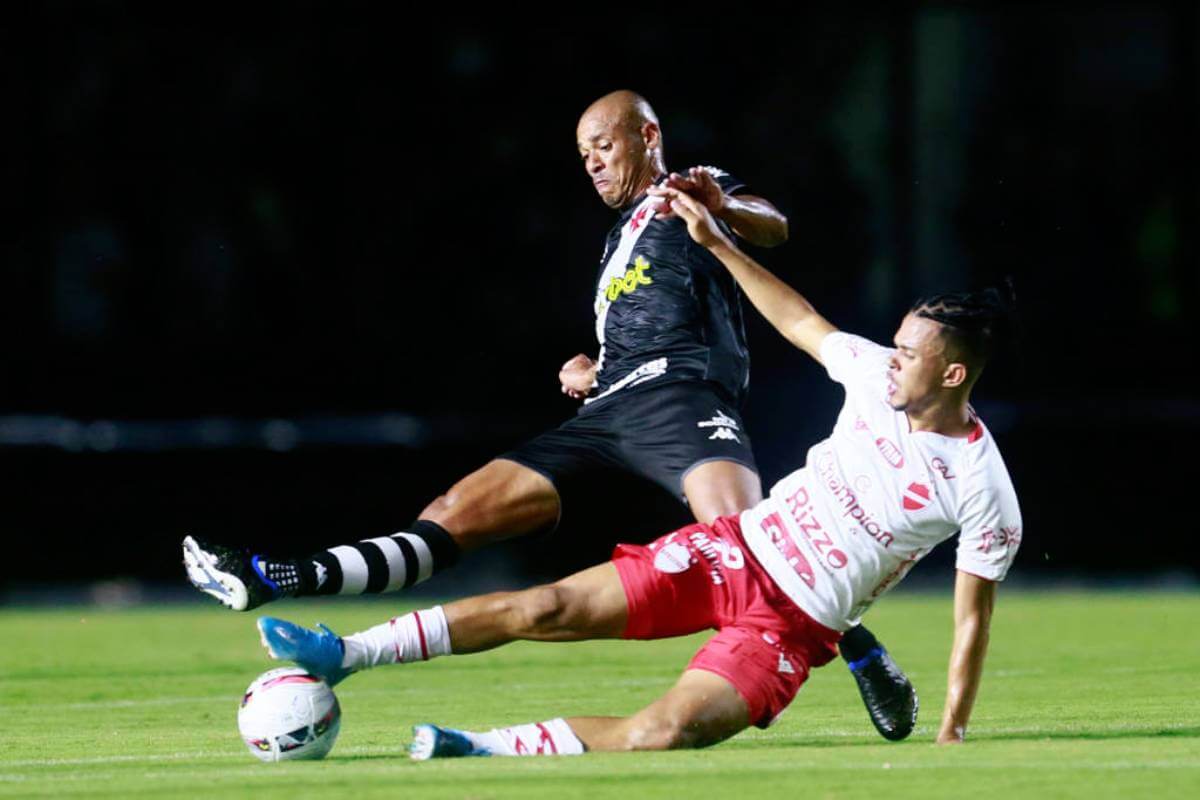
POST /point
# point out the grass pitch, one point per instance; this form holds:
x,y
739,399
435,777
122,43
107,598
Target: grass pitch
x,y
1085,695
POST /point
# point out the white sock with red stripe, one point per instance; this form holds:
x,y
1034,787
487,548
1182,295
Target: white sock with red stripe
x,y
550,738
418,636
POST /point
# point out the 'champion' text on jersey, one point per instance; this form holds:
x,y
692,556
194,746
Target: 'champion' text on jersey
x,y
665,307
875,497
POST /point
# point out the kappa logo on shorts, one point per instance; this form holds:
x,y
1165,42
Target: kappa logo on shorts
x,y
785,667
725,426
719,420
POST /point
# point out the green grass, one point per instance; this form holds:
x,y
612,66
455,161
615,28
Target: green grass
x,y
1085,695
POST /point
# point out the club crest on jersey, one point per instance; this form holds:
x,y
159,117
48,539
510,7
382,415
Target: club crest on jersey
x,y
638,218
634,277
916,497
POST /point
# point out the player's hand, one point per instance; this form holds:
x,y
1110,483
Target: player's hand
x,y
952,735
700,223
577,377
698,183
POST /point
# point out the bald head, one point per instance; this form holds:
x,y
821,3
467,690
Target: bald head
x,y
621,146
626,108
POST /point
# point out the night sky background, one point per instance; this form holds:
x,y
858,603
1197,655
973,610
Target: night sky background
x,y
280,276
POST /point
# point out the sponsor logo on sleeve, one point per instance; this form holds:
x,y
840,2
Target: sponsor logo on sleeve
x,y
1005,538
890,452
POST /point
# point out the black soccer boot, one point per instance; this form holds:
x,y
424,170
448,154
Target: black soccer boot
x,y
886,691
235,577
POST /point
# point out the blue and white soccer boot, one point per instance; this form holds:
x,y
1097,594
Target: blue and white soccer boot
x,y
430,741
234,577
320,652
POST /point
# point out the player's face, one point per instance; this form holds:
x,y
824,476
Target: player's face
x,y
616,158
917,368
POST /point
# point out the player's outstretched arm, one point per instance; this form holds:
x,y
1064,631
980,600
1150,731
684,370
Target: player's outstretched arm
x,y
974,598
754,219
784,307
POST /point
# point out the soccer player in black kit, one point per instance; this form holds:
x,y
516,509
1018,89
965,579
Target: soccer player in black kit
x,y
661,400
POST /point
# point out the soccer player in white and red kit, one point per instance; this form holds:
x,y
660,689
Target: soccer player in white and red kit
x,y
907,466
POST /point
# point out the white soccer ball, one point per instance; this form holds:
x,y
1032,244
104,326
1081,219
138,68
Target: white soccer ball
x,y
289,714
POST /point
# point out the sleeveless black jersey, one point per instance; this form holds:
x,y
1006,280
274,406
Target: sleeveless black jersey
x,y
667,309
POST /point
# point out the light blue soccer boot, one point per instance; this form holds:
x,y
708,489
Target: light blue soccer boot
x,y
319,652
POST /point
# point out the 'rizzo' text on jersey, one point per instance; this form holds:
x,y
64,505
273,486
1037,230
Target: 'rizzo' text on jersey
x,y
875,497
666,309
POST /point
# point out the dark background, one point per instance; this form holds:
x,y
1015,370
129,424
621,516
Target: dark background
x,y
281,276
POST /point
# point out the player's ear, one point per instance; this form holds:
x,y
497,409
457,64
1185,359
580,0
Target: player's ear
x,y
954,375
651,135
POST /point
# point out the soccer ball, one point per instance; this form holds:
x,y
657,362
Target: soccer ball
x,y
289,714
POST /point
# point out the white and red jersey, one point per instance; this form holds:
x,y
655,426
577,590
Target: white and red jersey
x,y
875,497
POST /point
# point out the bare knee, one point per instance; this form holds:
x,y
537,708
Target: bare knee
x,y
500,500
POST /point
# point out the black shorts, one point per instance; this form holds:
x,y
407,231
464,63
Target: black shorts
x,y
659,433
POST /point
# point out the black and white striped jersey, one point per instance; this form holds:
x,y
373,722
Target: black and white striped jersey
x,y
666,309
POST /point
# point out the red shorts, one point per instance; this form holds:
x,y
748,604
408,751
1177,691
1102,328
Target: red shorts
x,y
703,576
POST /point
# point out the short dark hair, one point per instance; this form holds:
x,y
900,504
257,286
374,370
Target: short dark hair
x,y
972,322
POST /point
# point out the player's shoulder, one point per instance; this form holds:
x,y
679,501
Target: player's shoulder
x,y
983,466
726,181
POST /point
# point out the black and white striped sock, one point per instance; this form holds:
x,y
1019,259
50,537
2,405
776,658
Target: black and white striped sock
x,y
384,564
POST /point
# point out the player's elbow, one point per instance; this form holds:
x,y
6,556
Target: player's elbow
x,y
779,231
773,232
